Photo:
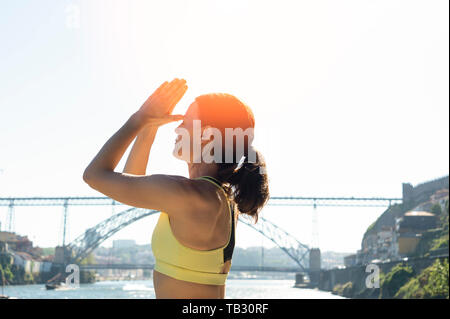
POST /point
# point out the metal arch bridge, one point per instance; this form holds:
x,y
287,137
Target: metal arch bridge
x,y
94,236
82,246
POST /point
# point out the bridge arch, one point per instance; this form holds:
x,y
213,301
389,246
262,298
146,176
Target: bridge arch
x,y
83,245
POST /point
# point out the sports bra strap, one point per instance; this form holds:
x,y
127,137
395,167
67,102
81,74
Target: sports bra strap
x,y
228,250
212,179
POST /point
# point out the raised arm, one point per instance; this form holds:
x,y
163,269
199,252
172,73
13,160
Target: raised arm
x,y
154,191
138,157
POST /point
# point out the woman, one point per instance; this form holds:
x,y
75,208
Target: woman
x,y
193,240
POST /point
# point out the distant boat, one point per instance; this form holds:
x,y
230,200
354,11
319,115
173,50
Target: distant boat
x,y
57,286
52,286
56,283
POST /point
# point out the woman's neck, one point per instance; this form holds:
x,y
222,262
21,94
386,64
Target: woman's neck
x,y
202,169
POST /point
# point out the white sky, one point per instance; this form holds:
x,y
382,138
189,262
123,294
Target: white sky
x,y
350,98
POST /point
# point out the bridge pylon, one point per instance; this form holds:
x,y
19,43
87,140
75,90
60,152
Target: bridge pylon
x,y
314,266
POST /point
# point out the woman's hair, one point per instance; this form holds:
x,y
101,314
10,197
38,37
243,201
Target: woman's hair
x,y
245,181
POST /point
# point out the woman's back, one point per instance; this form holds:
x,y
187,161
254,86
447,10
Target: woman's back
x,y
212,226
193,257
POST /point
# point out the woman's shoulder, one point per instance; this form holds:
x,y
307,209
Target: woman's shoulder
x,y
196,196
185,188
208,196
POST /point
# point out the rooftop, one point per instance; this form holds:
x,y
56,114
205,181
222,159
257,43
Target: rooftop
x,y
418,213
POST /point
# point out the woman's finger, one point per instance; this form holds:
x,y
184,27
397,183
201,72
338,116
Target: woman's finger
x,y
177,84
176,117
157,91
177,97
169,86
161,87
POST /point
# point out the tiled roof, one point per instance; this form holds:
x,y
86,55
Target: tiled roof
x,y
418,213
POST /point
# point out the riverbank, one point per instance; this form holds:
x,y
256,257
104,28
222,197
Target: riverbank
x,y
425,277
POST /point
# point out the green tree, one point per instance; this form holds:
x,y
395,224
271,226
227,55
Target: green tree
x,y
87,276
89,260
390,283
432,282
437,285
444,217
437,211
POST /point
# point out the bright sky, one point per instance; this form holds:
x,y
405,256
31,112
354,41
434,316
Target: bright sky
x,y
350,98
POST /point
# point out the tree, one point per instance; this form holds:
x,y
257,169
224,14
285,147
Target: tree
x,y
399,275
432,282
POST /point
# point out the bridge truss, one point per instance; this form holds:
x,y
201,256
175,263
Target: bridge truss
x,y
94,236
83,245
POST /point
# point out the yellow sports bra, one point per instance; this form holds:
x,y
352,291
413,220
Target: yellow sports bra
x,y
184,263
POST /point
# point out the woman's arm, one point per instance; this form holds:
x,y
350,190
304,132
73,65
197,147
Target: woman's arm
x,y
138,158
111,153
155,191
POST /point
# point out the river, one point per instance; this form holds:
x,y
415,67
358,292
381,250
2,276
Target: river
x,y
143,289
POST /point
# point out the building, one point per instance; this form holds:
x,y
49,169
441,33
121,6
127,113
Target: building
x,y
377,245
439,197
22,253
407,243
417,222
369,248
409,230
3,247
386,244
395,233
30,265
16,242
6,236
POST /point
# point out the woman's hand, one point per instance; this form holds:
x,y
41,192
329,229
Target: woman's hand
x,y
159,106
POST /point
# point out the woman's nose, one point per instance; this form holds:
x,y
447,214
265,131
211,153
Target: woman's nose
x,y
177,129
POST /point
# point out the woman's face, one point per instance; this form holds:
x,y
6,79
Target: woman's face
x,y
194,137
185,135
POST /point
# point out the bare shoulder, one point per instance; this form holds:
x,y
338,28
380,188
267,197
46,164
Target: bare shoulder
x,y
205,201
